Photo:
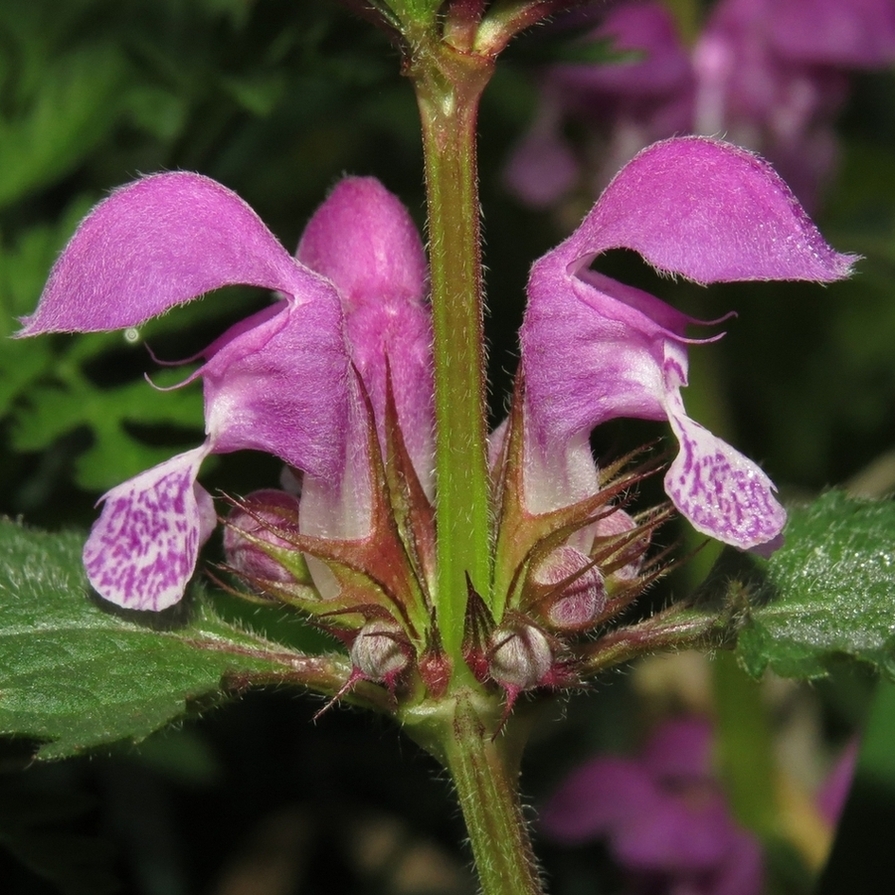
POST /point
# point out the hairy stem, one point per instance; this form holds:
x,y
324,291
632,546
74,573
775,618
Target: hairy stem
x,y
468,735
449,85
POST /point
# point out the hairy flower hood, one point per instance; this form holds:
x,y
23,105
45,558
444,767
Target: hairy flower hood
x,y
594,349
282,381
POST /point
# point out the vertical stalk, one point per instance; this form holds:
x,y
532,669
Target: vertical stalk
x,y
484,769
448,86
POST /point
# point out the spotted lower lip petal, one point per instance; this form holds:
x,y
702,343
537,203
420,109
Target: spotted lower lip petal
x,y
142,550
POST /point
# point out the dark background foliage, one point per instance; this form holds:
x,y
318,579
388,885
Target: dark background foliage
x,y
277,99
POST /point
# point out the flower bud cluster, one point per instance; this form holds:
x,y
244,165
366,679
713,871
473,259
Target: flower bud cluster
x,y
571,573
572,577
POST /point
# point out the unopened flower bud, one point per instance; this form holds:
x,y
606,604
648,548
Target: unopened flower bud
x,y
269,516
380,651
578,604
521,656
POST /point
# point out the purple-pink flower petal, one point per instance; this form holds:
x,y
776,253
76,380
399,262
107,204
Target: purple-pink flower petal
x,y
852,34
595,797
662,814
277,382
594,349
156,243
143,549
675,836
589,354
681,749
834,793
363,239
707,210
542,167
657,67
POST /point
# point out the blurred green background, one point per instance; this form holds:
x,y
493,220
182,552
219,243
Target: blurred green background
x,y
277,99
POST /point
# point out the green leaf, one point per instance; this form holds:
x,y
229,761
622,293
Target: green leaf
x,y
76,673
828,595
76,107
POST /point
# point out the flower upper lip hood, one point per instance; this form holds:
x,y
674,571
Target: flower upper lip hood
x,y
364,240
166,240
709,211
594,349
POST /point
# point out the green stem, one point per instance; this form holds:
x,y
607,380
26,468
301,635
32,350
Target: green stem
x,y
449,85
485,771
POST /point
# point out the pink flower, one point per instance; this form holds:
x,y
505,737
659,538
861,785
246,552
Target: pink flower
x,y
663,815
594,349
281,381
312,378
770,75
637,101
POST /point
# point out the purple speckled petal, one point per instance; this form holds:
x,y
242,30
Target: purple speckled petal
x,y
142,550
594,349
154,244
363,239
707,210
721,492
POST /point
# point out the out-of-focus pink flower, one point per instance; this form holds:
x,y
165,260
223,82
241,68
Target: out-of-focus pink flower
x,y
663,815
834,793
630,104
770,75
